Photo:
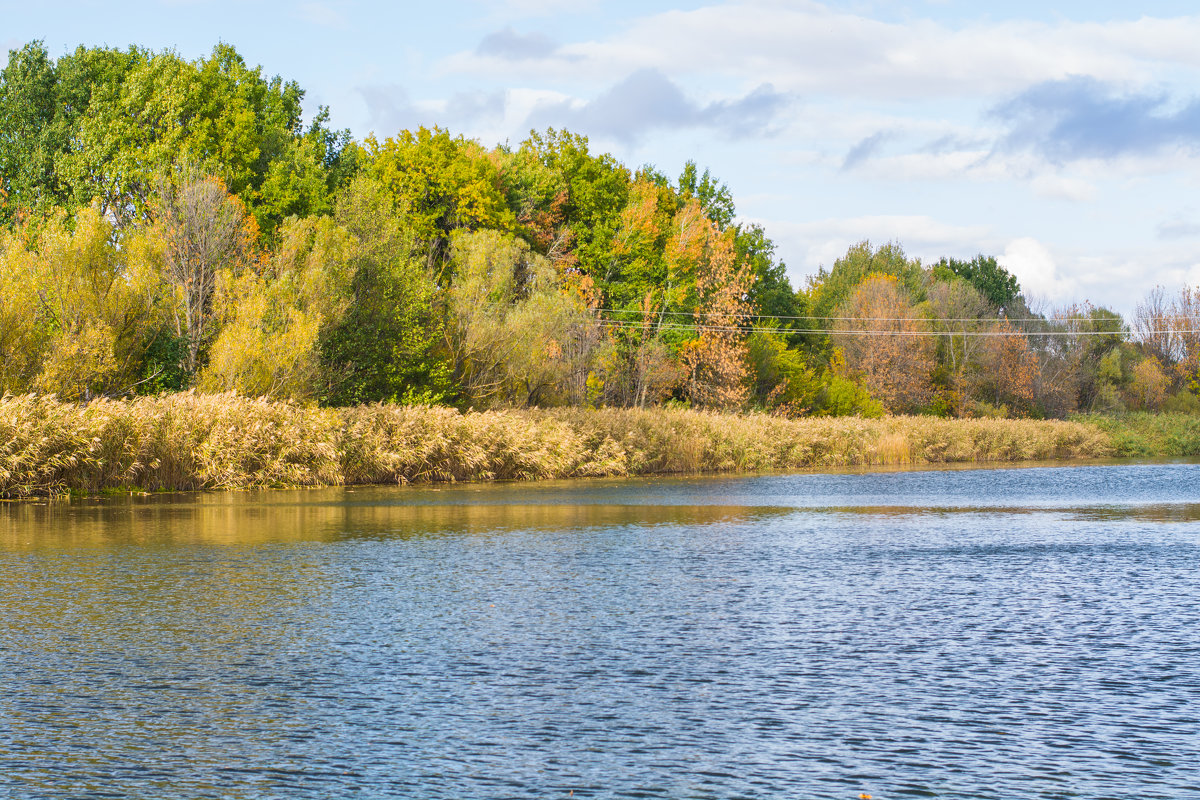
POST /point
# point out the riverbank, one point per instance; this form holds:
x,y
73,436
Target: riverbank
x,y
193,441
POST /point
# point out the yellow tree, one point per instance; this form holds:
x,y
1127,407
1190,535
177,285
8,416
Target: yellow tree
x,y
715,361
1148,389
518,338
81,308
271,321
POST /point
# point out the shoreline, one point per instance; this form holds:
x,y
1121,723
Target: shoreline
x,y
191,441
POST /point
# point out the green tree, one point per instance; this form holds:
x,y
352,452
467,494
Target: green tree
x,y
103,124
440,183
387,345
595,190
831,288
994,282
712,195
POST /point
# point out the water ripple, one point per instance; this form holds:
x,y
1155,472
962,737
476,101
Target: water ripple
x,y
1016,633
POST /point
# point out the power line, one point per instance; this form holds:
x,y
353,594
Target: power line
x,y
1050,321
670,326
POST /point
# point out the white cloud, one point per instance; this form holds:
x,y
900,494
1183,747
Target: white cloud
x,y
807,47
1034,266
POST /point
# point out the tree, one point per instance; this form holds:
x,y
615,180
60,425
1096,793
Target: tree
x,y
1154,327
1012,368
994,282
78,311
715,361
388,344
882,337
963,316
596,191
712,195
102,123
440,184
29,139
829,289
518,338
781,379
203,230
1148,388
24,335
273,319
772,294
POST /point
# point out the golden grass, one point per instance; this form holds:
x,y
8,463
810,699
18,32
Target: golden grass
x,y
196,441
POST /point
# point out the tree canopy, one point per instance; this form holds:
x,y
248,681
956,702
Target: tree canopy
x,y
168,223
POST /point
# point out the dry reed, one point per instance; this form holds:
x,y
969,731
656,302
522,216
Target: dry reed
x,y
194,441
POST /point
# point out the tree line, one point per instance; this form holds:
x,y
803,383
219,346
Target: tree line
x,y
168,224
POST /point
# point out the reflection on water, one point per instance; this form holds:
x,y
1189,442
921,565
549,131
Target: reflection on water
x,y
253,518
1009,633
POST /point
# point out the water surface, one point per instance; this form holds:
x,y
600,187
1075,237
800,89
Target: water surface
x,y
962,633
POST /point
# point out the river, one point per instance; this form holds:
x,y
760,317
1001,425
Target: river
x,y
974,633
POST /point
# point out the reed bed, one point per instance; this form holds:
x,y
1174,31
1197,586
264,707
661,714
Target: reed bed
x,y
223,441
1147,435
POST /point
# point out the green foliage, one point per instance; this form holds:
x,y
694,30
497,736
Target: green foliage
x,y
387,345
440,184
104,124
782,379
772,293
163,364
840,396
994,282
714,197
591,192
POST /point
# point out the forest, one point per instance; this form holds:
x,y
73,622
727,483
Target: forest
x,y
169,225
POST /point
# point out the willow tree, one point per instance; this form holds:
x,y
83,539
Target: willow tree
x,y
518,337
273,318
77,312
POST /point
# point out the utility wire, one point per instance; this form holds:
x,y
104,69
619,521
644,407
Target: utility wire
x,y
1051,321
671,326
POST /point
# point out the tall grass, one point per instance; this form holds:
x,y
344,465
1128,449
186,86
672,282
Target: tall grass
x,y
195,441
1142,434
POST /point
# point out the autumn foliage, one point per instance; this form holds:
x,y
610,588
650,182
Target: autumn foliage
x,y
171,225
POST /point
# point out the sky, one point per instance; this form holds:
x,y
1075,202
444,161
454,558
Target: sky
x,y
1062,138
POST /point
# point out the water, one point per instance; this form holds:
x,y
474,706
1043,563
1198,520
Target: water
x,y
969,633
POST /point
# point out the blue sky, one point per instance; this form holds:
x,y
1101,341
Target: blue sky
x,y
1063,138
